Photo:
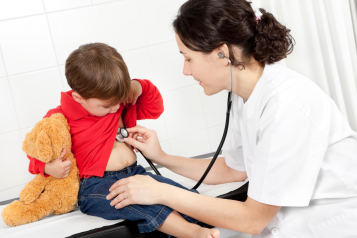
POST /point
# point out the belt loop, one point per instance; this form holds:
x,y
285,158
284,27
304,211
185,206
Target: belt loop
x,y
128,169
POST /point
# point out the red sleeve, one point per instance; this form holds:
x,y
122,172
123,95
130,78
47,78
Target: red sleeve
x,y
150,104
36,166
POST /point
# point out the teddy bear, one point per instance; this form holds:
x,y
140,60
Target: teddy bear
x,y
45,195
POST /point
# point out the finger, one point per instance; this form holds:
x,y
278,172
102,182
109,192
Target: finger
x,y
116,191
67,162
138,129
118,199
118,183
134,100
134,143
124,203
63,153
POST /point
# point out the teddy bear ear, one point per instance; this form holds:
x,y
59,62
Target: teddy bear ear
x,y
61,117
44,148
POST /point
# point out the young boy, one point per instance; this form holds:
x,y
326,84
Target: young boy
x,y
104,98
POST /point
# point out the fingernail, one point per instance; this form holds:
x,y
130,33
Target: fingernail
x,y
125,139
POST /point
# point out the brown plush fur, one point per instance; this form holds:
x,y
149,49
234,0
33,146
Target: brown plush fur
x,y
45,195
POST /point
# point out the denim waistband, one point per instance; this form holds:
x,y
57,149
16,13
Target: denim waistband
x,y
128,169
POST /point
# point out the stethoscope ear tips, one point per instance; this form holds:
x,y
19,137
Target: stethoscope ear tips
x,y
221,55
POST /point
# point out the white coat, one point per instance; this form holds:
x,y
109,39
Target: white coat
x,y
299,153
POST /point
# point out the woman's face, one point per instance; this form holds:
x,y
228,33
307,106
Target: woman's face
x,y
208,69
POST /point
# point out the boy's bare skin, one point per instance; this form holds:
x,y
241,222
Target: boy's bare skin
x,y
122,156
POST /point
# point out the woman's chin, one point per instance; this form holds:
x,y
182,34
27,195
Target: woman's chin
x,y
209,92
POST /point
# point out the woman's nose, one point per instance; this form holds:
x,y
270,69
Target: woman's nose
x,y
186,69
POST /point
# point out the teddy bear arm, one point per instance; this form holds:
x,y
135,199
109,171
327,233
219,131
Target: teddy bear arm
x,y
34,188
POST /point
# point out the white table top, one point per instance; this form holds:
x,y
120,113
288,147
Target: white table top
x,y
74,222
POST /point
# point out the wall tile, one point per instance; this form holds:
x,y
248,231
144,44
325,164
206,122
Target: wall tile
x,y
66,87
16,161
158,125
8,119
73,28
20,8
120,24
57,5
34,94
158,23
103,1
26,45
139,64
24,132
168,66
215,107
191,145
2,67
215,135
183,111
11,193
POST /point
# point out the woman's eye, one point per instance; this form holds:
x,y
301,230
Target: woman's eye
x,y
188,60
106,107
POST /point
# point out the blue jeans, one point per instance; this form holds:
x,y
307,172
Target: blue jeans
x,y
92,200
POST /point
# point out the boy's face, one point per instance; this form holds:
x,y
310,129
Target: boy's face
x,y
95,106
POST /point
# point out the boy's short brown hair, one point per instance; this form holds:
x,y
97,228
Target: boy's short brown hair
x,y
97,70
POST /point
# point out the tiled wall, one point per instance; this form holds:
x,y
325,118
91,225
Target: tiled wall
x,y
36,36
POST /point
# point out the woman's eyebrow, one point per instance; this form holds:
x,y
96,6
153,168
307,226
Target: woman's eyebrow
x,y
182,52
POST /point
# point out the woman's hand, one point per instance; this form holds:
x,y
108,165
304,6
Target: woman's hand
x,y
139,189
146,140
135,91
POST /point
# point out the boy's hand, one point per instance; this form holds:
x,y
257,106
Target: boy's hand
x,y
58,168
135,92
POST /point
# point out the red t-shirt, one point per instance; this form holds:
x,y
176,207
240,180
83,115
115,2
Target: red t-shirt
x,y
93,137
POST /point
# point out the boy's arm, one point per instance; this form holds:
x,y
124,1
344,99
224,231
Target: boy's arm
x,y
149,104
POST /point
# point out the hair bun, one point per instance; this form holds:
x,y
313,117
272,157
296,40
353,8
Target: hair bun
x,y
273,41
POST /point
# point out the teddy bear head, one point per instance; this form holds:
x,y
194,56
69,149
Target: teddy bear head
x,y
47,139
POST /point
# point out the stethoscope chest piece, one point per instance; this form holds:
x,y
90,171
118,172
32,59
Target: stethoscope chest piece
x,y
121,134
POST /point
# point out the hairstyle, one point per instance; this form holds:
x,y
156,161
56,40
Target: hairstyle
x,y
204,25
97,70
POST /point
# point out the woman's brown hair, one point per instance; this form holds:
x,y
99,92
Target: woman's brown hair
x,y
204,25
97,70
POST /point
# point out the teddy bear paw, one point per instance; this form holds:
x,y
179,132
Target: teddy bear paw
x,y
27,197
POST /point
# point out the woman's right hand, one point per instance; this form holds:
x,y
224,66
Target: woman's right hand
x,y
59,168
146,141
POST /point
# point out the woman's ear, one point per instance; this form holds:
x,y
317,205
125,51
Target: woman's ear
x,y
220,52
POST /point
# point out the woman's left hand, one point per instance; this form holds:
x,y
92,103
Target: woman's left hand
x,y
139,189
135,91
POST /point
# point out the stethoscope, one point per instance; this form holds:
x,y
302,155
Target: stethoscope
x,y
123,133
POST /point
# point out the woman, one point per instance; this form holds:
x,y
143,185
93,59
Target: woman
x,y
286,135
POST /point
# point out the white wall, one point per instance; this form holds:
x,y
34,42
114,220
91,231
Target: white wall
x,y
37,36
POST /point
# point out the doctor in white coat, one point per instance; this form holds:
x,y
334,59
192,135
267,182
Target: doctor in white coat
x,y
286,135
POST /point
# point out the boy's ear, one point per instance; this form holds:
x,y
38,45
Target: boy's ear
x,y
44,148
77,97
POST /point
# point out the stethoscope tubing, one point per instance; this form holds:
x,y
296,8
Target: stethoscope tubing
x,y
229,105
